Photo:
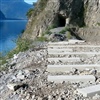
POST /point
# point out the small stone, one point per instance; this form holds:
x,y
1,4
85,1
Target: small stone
x,y
49,97
26,71
15,86
93,71
27,97
12,86
39,98
20,77
15,56
96,97
59,98
33,96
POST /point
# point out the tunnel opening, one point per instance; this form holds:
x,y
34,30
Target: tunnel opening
x,y
61,21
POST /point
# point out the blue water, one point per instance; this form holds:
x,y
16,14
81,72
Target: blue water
x,y
9,31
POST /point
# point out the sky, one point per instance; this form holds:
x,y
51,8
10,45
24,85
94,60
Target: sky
x,y
30,1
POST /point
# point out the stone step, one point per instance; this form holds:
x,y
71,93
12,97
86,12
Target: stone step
x,y
58,43
72,59
72,46
67,68
60,50
71,78
74,49
74,53
90,91
71,41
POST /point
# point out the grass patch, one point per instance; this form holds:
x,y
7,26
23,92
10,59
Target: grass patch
x,y
64,30
22,45
69,36
42,38
98,24
47,33
48,30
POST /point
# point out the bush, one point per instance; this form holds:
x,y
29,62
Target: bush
x,y
22,45
69,36
64,30
29,13
2,60
98,24
41,39
47,33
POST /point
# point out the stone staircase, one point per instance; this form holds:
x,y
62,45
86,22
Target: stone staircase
x,y
74,61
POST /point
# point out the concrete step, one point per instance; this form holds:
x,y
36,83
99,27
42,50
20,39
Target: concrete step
x,y
60,50
58,43
67,68
71,41
74,53
72,59
76,49
71,78
72,46
90,91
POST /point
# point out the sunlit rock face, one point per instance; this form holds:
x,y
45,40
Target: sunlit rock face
x,y
14,9
77,13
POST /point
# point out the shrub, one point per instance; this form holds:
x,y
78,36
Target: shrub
x,y
2,60
47,32
69,36
22,44
29,13
98,24
64,30
42,38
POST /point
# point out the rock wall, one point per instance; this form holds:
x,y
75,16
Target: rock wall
x,y
92,21
77,13
92,12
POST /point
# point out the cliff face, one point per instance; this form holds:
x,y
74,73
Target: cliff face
x,y
76,13
92,21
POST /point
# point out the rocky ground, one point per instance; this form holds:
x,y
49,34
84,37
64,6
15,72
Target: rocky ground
x,y
26,79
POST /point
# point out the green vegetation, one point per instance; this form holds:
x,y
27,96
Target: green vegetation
x,y
22,45
64,30
29,13
47,32
38,7
2,61
69,36
51,27
98,24
42,38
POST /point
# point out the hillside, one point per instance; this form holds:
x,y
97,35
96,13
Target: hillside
x,y
82,15
14,9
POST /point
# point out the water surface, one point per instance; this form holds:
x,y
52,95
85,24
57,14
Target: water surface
x,y
9,31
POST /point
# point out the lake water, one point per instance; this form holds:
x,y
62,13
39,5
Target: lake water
x,y
9,31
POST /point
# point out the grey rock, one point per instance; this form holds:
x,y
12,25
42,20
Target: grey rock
x,y
16,86
57,37
20,75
